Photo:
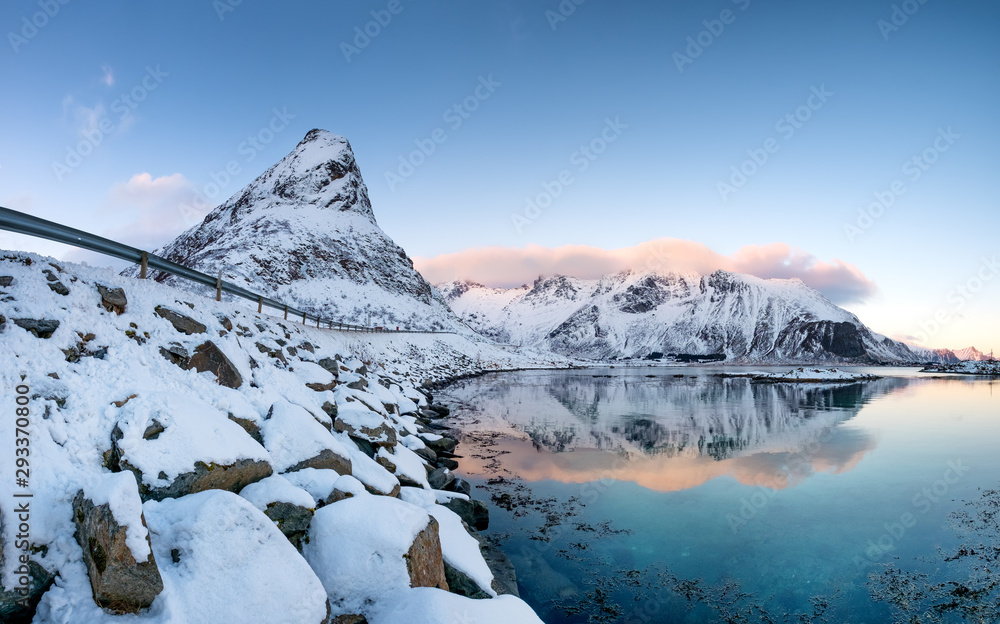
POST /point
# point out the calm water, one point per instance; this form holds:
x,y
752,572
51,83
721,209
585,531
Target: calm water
x,y
672,495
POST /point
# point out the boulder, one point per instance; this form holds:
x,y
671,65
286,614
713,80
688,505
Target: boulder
x,y
227,562
382,435
427,454
461,486
330,409
208,357
296,440
39,328
439,444
292,520
250,427
276,354
349,619
183,324
441,410
113,299
55,285
474,513
404,536
225,322
119,581
6,281
504,577
325,460
462,584
322,387
447,462
176,353
18,608
232,477
424,561
177,445
440,478
331,365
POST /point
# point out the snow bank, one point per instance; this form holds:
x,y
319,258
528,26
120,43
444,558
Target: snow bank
x,y
192,431
356,548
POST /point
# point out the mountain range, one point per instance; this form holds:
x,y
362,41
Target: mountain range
x,y
304,232
642,313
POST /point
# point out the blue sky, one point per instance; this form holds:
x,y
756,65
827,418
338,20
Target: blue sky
x,y
686,90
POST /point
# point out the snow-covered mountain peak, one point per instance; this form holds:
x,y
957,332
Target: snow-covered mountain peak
x,y
320,172
304,233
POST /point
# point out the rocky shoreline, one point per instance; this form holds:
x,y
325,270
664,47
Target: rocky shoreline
x,y
803,375
194,462
983,367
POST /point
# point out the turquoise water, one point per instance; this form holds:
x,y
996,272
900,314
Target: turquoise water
x,y
673,495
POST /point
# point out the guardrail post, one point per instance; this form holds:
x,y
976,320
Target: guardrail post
x,y
143,264
260,304
286,312
303,318
218,286
317,322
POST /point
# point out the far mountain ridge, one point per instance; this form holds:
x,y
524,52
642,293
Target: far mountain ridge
x,y
633,314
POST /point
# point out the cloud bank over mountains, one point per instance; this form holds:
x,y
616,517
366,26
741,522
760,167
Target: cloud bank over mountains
x,y
505,267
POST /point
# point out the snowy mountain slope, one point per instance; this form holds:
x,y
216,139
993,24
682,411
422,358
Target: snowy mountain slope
x,y
176,414
940,356
632,314
948,356
304,232
971,354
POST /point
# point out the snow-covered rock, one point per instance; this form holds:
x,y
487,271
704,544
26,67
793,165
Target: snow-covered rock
x,y
111,531
366,549
296,440
176,444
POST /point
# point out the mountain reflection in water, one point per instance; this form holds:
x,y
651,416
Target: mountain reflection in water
x,y
668,433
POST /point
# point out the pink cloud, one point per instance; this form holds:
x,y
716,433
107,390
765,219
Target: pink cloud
x,y
146,212
506,266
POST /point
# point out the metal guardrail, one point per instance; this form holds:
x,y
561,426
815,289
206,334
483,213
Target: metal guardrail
x,y
20,223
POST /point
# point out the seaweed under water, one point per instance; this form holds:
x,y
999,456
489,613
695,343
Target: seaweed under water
x,y
959,585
